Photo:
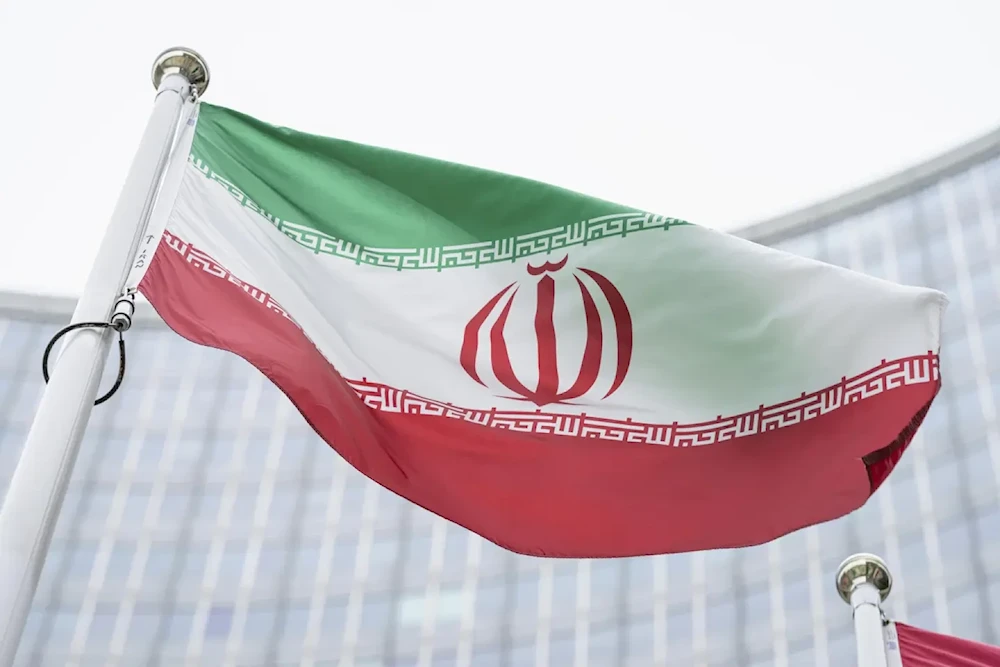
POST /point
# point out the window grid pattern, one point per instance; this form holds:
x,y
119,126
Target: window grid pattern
x,y
205,524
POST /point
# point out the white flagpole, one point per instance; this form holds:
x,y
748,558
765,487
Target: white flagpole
x,y
36,492
864,582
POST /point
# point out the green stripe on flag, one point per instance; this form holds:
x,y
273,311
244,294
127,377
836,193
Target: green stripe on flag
x,y
387,208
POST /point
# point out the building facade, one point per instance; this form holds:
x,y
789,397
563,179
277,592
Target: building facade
x,y
205,524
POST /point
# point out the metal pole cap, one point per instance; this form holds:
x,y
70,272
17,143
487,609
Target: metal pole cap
x,y
863,569
184,61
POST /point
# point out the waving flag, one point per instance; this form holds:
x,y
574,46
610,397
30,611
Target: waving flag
x,y
563,375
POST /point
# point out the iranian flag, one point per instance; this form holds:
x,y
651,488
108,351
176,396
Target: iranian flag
x,y
562,375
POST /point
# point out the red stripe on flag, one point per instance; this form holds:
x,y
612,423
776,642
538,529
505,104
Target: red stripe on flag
x,y
922,648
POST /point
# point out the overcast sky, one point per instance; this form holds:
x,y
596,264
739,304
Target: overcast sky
x,y
721,112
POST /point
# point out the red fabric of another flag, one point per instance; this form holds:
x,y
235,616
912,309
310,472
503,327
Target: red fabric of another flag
x,y
922,648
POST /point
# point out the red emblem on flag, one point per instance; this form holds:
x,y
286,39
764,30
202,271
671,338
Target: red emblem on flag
x,y
546,389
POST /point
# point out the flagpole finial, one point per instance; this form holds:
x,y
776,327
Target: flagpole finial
x,y
184,61
863,569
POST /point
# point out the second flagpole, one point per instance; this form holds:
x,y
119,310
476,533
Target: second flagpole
x,y
864,582
37,489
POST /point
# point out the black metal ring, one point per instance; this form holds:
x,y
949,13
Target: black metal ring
x,y
84,325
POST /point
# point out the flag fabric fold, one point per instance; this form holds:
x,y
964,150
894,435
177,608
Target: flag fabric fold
x,y
563,375
908,646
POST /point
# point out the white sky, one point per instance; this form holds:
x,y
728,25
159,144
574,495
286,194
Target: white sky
x,y
721,112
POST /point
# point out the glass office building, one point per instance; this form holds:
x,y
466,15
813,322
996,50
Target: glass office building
x,y
206,525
